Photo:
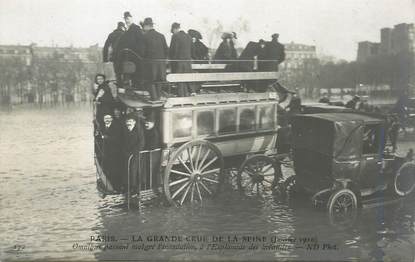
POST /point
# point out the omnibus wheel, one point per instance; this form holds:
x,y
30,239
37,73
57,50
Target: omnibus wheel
x,y
342,207
404,180
258,175
193,173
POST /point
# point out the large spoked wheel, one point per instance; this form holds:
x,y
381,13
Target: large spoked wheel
x,y
194,173
404,180
342,207
258,175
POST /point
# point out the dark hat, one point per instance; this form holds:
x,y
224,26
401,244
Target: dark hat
x,y
195,34
227,35
132,116
261,41
148,21
127,14
120,24
175,25
276,35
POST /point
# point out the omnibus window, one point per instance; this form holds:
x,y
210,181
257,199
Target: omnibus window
x,y
205,123
266,117
227,120
247,119
182,124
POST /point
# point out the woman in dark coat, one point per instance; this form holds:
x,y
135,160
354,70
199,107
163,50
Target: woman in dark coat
x,y
199,50
226,49
103,98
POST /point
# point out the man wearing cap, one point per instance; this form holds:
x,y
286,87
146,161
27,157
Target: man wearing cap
x,y
274,51
156,52
181,49
133,40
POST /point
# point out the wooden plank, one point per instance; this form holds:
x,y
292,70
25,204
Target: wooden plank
x,y
208,66
205,77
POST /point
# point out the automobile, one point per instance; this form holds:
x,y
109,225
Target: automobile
x,y
340,158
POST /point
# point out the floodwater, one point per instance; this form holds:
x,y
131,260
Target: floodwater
x,y
50,208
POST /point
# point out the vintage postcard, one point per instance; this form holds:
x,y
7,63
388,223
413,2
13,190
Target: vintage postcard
x,y
184,130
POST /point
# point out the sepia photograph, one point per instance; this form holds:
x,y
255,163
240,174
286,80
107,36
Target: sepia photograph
x,y
184,130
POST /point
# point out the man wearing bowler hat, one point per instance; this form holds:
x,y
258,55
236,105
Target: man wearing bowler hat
x,y
274,51
132,39
181,49
156,52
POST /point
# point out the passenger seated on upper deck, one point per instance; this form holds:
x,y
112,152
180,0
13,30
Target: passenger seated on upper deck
x,y
274,51
103,98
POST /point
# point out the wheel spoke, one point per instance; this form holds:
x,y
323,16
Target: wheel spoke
x,y
216,170
179,172
205,187
184,164
198,157
180,189
203,159
185,194
192,192
198,192
267,181
266,169
190,153
250,173
210,180
179,181
208,164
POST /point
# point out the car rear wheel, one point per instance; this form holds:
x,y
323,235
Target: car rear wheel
x,y
258,176
404,180
342,206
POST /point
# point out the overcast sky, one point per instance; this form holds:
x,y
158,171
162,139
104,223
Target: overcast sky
x,y
334,26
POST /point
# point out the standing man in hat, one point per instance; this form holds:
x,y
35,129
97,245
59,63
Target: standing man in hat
x,y
112,39
181,49
156,52
132,39
274,51
133,143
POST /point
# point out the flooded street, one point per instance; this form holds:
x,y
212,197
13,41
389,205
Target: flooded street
x,y
49,203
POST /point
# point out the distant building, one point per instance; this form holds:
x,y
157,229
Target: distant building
x,y
366,50
296,54
23,52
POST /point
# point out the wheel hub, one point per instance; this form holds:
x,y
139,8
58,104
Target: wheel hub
x,y
258,178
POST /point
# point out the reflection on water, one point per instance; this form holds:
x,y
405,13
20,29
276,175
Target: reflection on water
x,y
49,201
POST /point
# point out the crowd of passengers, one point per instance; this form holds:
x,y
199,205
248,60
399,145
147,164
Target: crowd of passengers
x,y
149,52
121,132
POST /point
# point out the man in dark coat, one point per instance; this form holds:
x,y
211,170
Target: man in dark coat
x,y
181,49
112,39
155,49
134,142
262,55
274,51
132,39
153,142
112,157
